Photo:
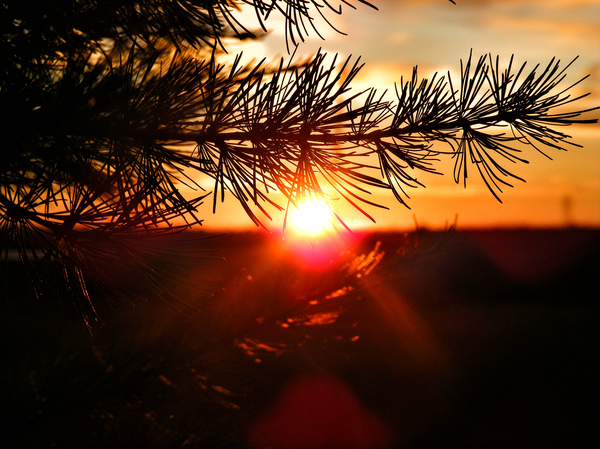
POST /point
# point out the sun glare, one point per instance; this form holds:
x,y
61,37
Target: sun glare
x,y
312,216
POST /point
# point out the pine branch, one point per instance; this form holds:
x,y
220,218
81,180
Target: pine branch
x,y
279,130
104,121
258,129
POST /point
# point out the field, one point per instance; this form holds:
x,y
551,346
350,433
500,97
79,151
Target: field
x,y
474,339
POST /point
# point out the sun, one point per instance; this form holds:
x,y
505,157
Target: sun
x,y
312,216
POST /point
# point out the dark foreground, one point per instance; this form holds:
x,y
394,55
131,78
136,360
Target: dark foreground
x,y
474,339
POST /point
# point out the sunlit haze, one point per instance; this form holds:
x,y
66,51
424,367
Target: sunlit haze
x,y
436,35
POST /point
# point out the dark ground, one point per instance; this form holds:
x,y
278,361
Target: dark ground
x,y
473,339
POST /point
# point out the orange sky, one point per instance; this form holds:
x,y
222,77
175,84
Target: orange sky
x,y
436,35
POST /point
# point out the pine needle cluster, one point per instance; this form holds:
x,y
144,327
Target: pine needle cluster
x,y
109,107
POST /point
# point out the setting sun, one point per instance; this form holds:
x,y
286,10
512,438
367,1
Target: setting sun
x,y
312,216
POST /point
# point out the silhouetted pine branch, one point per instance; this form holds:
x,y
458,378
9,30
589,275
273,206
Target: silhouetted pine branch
x,y
108,107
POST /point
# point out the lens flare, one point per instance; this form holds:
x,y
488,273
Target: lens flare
x,y
312,216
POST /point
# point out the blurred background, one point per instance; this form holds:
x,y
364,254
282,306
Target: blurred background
x,y
472,339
